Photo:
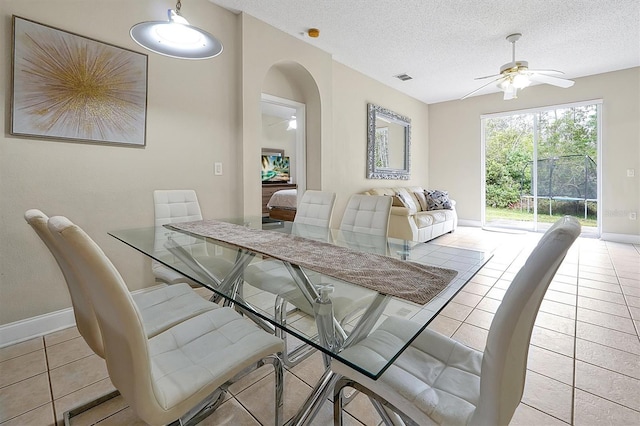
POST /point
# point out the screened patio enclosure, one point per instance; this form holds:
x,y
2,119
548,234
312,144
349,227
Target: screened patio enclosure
x,y
565,179
540,164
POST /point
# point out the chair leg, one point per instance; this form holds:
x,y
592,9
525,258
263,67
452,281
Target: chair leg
x,y
202,410
88,406
293,358
382,406
279,387
337,399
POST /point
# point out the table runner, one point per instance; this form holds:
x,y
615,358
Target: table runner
x,y
405,279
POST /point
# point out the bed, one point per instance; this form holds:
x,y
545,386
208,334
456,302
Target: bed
x,y
282,204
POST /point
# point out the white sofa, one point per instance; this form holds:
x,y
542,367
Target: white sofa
x,y
411,222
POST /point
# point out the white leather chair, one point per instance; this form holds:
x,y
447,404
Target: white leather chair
x,y
437,380
160,308
315,208
176,206
367,214
168,376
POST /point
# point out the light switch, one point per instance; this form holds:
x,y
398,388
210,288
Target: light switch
x,y
631,172
217,170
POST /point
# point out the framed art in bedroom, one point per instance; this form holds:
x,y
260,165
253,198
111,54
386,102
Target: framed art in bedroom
x,y
69,87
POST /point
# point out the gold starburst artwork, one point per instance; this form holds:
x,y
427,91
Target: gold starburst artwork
x,y
71,87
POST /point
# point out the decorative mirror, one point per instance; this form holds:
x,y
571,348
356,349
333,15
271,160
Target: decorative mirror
x,y
388,142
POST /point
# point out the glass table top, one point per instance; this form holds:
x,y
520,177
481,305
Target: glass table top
x,y
254,283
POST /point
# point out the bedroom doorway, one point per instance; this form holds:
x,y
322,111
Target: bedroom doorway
x,y
283,134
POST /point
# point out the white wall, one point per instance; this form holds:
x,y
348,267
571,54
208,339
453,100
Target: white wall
x,y
455,143
191,123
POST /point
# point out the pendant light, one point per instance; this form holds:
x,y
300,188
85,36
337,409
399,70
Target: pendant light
x,y
176,38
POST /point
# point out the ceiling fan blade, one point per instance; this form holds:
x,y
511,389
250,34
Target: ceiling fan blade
x,y
545,71
487,76
554,81
481,87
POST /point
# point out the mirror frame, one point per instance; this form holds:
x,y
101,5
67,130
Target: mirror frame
x,y
386,173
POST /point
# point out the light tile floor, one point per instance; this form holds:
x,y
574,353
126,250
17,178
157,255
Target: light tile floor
x,y
584,359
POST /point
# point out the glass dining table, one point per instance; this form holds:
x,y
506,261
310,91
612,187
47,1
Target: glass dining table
x,y
328,288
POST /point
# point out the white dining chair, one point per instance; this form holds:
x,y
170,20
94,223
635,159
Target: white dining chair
x,y
160,308
177,206
367,214
437,380
177,373
315,208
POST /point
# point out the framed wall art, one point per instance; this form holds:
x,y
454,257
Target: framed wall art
x,y
66,86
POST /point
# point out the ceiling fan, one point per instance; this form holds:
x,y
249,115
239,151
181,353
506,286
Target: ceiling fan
x,y
516,75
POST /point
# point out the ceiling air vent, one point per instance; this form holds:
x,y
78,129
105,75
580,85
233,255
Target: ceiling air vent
x,y
403,77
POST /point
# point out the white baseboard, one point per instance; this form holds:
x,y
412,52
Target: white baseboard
x,y
33,327
467,222
620,238
40,325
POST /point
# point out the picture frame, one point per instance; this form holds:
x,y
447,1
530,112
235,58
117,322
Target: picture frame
x,y
66,86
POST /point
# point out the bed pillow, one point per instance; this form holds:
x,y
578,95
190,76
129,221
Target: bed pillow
x,y
437,200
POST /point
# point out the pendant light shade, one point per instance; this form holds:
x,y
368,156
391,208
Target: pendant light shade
x,y
176,38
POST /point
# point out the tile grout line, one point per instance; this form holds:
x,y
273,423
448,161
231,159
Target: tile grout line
x,y
624,296
575,340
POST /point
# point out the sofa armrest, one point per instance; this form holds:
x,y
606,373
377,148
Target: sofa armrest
x,y
400,211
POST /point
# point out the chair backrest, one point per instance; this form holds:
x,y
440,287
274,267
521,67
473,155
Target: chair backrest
x,y
504,363
83,311
125,342
176,205
368,214
315,208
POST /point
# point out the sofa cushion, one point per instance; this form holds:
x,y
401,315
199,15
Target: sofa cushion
x,y
432,217
438,216
411,190
407,199
382,191
422,199
423,219
438,200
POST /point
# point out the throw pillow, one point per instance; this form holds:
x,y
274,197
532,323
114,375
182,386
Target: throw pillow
x,y
437,200
407,202
422,199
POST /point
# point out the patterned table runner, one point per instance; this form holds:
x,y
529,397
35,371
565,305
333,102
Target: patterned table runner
x,y
405,279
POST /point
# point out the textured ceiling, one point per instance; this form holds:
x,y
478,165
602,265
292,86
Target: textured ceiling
x,y
445,44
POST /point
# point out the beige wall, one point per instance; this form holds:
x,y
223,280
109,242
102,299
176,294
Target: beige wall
x,y
199,112
347,166
191,123
455,144
309,69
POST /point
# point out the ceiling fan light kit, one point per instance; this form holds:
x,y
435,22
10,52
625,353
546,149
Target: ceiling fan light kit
x,y
516,75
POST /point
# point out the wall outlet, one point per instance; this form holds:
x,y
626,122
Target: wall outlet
x,y
631,172
632,216
217,169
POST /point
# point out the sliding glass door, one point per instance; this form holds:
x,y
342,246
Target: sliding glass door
x,y
540,165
